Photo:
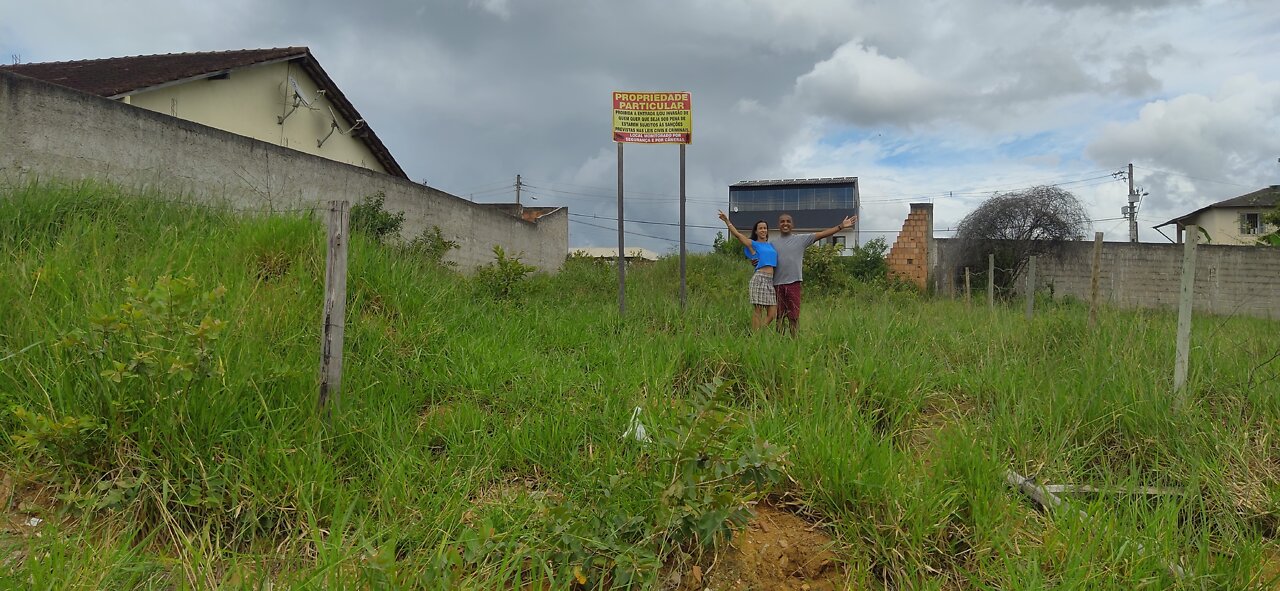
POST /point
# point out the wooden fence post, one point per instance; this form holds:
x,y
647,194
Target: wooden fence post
x,y
1031,287
1093,284
991,281
968,295
1185,299
335,303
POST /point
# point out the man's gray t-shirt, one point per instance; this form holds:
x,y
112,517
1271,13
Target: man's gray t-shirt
x,y
790,257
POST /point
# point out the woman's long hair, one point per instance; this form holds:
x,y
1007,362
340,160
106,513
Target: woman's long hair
x,y
756,226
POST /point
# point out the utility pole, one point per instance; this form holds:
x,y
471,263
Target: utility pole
x,y
518,185
1133,208
1131,211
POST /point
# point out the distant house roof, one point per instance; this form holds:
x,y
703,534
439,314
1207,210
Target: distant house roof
x,y
818,181
1264,198
119,76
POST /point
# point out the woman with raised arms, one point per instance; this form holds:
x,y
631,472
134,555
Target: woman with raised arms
x,y
763,299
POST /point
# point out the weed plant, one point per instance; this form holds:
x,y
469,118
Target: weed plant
x,y
158,381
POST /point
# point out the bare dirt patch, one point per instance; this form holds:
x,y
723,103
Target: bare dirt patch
x,y
776,550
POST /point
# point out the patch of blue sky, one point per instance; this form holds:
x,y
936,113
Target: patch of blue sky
x,y
9,52
906,150
1066,148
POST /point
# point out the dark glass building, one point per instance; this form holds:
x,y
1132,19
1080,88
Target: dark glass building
x,y
814,204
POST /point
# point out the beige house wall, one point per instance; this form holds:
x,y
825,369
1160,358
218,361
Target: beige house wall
x,y
250,101
1223,225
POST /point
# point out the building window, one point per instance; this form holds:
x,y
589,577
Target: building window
x,y
1250,223
838,240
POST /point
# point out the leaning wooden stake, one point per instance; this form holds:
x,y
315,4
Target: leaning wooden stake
x,y
1048,500
1184,317
335,303
968,295
1031,287
991,282
1093,283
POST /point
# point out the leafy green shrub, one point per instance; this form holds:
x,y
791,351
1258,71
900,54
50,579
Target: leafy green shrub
x,y
726,245
500,278
707,493
433,246
828,269
1273,238
368,217
139,364
824,269
155,347
866,262
64,441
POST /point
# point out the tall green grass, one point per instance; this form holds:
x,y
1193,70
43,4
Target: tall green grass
x,y
465,418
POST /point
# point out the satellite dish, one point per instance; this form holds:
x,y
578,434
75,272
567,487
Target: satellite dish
x,y
298,92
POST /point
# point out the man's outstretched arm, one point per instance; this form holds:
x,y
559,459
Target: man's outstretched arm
x,y
844,224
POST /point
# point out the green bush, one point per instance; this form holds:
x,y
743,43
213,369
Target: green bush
x,y
726,245
433,246
866,262
824,270
500,278
827,269
370,218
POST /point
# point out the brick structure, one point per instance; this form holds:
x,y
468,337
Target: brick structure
x,y
909,257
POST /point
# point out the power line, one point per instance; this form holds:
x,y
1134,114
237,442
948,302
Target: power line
x,y
615,229
484,187
614,195
610,190
631,221
493,192
1192,177
891,198
991,189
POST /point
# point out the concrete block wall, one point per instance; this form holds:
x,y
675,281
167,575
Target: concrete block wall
x,y
48,131
1230,280
909,257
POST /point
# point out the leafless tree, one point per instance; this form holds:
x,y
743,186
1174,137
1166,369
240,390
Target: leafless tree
x,y
1018,225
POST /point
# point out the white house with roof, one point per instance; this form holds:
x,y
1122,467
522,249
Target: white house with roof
x,y
280,96
1238,220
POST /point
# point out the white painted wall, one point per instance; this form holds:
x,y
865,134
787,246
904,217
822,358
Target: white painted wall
x,y
1223,225
250,101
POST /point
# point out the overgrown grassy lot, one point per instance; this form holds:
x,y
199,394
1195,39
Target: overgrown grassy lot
x,y
158,385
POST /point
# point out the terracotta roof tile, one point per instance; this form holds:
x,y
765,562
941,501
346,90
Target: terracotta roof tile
x,y
119,75
112,77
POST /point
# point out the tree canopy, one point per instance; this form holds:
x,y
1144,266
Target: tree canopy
x,y
1018,225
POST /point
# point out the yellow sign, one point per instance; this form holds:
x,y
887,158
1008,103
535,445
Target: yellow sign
x,y
652,117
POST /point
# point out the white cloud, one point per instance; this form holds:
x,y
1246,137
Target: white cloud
x,y
859,85
498,8
1227,136
967,93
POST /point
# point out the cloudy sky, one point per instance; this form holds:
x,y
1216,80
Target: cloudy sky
x,y
940,101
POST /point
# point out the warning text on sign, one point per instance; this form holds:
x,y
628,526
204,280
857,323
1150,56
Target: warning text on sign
x,y
652,117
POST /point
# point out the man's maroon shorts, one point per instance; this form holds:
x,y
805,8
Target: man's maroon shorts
x,y
789,300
